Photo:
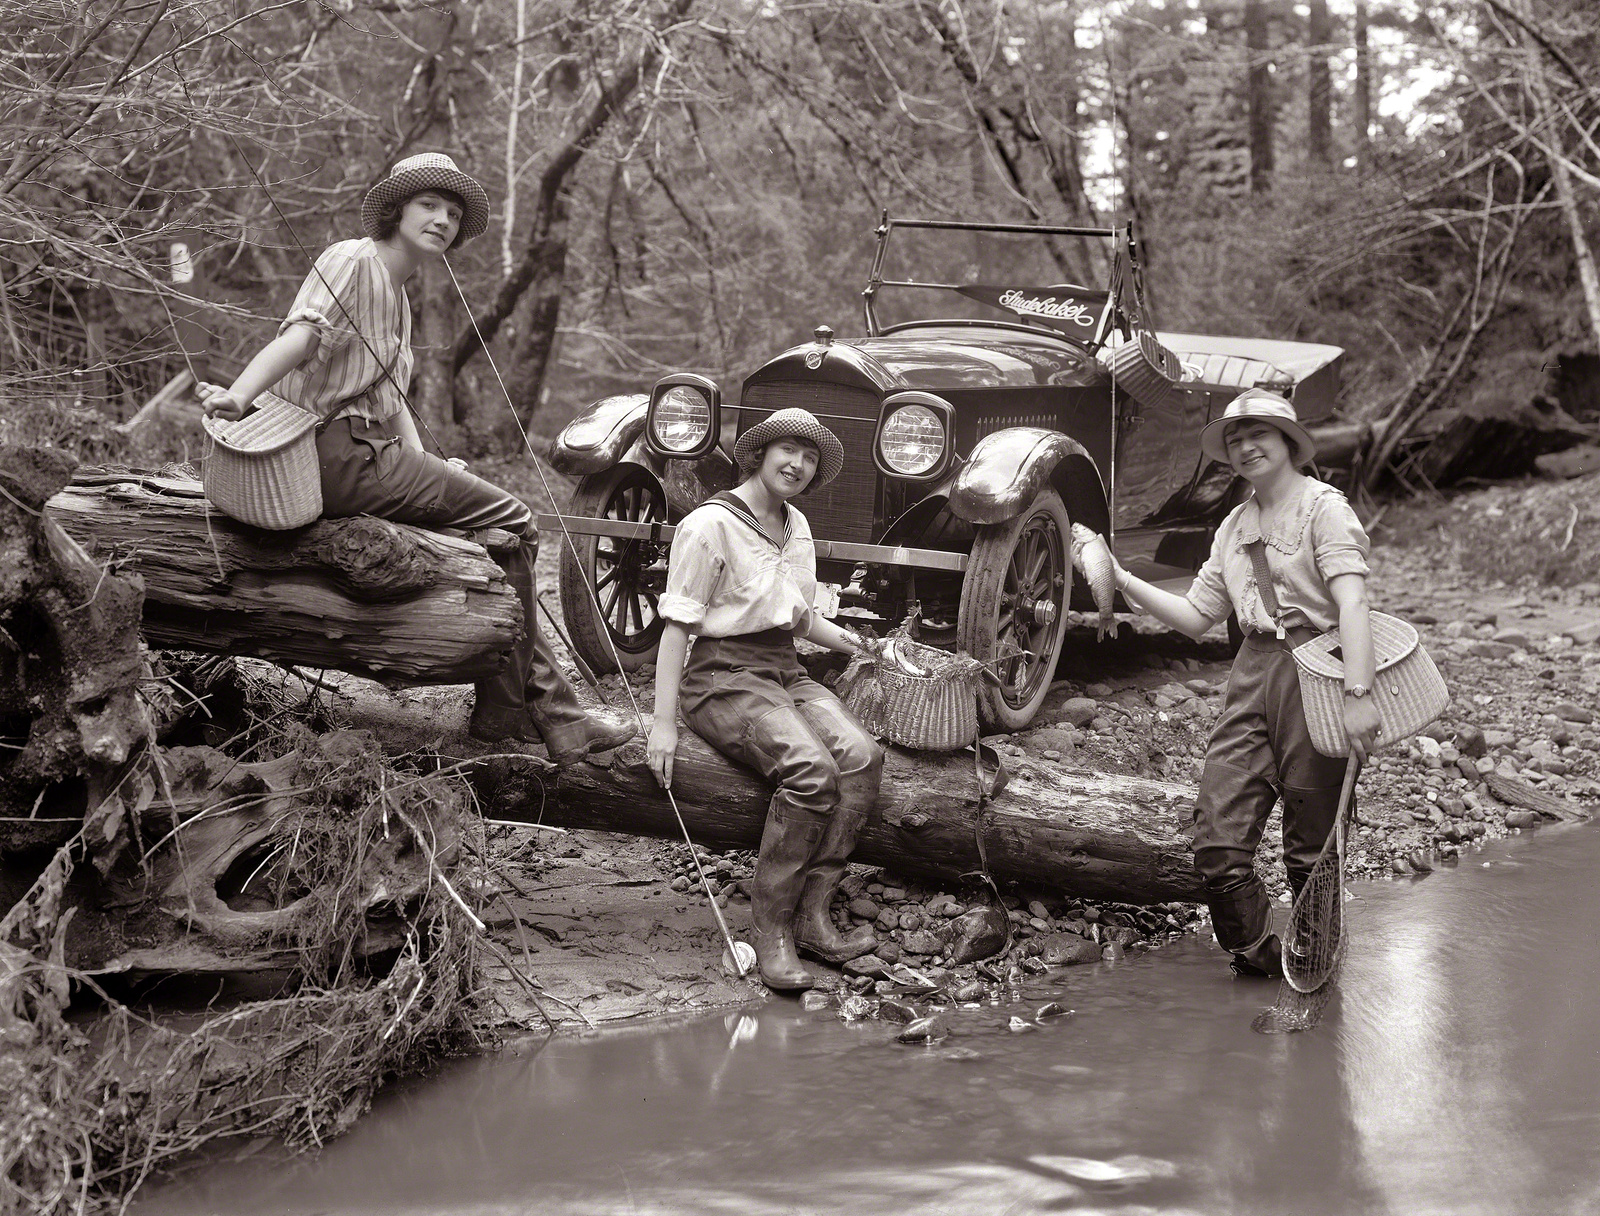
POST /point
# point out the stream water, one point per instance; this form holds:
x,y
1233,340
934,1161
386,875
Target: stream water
x,y
1458,1072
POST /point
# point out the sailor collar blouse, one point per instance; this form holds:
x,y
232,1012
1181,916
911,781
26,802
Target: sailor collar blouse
x,y
727,576
1317,537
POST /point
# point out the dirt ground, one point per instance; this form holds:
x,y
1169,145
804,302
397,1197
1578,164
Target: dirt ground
x,y
611,928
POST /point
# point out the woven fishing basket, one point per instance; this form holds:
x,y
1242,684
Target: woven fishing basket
x,y
1409,692
1147,371
933,712
262,468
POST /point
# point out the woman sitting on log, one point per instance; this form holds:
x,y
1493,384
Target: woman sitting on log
x,y
742,577
1305,536
344,353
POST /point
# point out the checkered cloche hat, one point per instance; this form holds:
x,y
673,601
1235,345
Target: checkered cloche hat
x,y
427,171
802,424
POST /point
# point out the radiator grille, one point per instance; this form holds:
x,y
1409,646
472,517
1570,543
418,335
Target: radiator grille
x,y
988,426
847,508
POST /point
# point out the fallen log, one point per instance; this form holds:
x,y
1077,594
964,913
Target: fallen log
x,y
1090,835
363,595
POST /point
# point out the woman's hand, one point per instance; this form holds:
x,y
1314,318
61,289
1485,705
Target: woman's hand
x,y
455,462
1360,726
661,748
219,402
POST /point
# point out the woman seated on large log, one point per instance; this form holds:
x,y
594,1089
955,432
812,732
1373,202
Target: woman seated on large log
x,y
1308,542
343,353
742,577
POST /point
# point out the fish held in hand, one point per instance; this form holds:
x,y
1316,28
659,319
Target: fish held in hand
x,y
1092,558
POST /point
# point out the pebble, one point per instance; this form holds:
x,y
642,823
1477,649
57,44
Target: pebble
x,y
976,934
1569,711
1521,819
924,1030
923,942
864,909
1020,1025
892,1010
869,965
1111,952
812,1001
1053,1010
856,1007
1067,949
970,992
888,951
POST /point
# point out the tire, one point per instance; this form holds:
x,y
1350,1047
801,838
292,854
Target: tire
x,y
1023,562
628,575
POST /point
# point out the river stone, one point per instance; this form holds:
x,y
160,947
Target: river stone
x,y
892,1010
1066,949
1020,1025
1491,650
888,920
864,909
814,1000
944,905
1521,819
970,992
868,965
910,921
924,1030
888,951
893,895
1569,711
1078,711
1052,1010
1123,935
1470,740
976,934
923,941
1111,952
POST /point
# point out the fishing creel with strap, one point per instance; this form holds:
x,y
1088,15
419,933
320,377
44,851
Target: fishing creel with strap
x,y
1146,370
262,469
936,711
1409,692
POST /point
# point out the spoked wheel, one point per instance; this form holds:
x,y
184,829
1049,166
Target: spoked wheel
x,y
1014,609
628,576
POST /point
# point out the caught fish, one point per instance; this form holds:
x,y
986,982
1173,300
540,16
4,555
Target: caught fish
x,y
897,656
1092,558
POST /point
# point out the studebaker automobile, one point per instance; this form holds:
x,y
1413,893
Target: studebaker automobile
x,y
972,443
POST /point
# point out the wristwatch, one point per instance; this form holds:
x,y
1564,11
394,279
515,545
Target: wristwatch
x,y
1357,690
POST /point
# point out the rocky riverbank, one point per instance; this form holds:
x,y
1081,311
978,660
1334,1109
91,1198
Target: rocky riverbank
x,y
616,928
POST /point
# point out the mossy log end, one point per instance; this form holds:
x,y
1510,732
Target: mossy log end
x,y
368,596
1091,835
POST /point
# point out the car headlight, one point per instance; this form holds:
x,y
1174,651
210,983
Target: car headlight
x,y
912,440
681,421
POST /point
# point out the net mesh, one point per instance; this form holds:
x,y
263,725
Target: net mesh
x,y
1313,947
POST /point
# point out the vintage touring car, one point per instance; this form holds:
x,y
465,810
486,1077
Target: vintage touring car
x,y
972,442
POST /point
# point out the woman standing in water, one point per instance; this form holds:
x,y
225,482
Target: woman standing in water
x,y
742,577
1304,534
344,354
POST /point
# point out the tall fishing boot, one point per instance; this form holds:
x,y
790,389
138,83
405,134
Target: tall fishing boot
x,y
570,732
787,842
1241,920
815,934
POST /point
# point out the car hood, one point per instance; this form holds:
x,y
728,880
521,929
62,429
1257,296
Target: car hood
x,y
939,357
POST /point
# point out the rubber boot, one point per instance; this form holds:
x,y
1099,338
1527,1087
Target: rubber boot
x,y
1240,919
787,843
570,732
815,933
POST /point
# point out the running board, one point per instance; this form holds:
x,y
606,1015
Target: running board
x,y
827,550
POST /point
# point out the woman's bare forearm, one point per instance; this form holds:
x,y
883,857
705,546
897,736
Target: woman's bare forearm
x,y
1171,610
669,669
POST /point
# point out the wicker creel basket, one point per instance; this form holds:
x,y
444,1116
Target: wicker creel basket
x,y
1147,371
1409,692
934,711
262,469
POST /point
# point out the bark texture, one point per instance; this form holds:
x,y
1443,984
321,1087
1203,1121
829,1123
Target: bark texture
x,y
1086,834
363,595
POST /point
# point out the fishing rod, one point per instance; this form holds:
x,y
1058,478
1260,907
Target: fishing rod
x,y
739,958
742,960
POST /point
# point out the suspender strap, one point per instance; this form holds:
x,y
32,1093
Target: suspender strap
x,y
1269,594
344,402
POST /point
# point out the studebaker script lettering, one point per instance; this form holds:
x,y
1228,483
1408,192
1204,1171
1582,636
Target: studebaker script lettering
x,y
1048,306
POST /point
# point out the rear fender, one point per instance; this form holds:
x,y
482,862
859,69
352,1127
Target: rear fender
x,y
1008,469
603,435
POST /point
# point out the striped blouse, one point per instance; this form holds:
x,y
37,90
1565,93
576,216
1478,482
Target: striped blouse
x,y
374,308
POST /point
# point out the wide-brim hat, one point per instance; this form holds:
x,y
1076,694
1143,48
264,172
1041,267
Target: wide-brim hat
x,y
802,424
1266,407
427,171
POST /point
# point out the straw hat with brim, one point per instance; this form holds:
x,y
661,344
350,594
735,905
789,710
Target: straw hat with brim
x,y
427,171
801,424
1258,404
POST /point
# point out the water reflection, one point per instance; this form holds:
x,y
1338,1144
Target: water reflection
x,y
1458,1073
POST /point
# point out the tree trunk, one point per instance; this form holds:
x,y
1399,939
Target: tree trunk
x,y
1363,91
436,392
1096,836
1319,86
363,595
1257,37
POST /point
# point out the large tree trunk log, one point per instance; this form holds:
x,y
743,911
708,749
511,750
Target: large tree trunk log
x,y
363,595
1090,835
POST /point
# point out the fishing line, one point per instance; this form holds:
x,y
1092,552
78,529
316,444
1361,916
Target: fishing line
x,y
594,598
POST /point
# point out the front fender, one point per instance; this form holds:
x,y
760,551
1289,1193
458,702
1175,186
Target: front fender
x,y
1008,468
602,435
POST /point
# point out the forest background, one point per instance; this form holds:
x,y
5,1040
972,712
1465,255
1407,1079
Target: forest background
x,y
694,184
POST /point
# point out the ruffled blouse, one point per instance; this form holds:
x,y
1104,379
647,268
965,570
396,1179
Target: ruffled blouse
x,y
1317,538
